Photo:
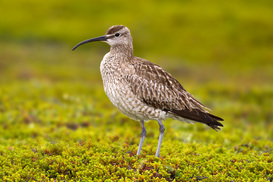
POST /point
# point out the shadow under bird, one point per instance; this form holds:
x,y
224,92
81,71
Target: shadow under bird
x,y
143,90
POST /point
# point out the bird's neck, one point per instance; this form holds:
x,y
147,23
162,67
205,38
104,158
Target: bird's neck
x,y
124,50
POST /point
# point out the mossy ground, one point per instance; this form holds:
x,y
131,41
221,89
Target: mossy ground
x,y
56,123
70,131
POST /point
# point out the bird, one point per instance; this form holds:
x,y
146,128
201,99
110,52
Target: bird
x,y
143,90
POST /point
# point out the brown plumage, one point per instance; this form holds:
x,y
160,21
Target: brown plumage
x,y
159,89
143,90
114,29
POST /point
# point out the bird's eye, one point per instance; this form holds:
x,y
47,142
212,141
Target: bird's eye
x,y
117,34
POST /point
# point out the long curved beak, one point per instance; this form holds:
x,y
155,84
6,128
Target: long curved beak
x,y
101,38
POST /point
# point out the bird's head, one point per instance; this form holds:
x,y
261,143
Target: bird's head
x,y
117,35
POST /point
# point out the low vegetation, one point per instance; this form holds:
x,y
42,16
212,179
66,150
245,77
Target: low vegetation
x,y
56,123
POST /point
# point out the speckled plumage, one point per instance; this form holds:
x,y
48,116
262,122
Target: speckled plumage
x,y
117,74
143,90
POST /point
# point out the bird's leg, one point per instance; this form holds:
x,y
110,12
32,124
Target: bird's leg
x,y
161,133
143,134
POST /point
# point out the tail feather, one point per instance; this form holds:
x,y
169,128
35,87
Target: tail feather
x,y
201,117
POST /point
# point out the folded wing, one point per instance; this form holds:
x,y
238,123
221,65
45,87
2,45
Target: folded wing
x,y
159,89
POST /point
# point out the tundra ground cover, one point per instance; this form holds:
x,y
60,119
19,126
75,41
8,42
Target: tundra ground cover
x,y
56,123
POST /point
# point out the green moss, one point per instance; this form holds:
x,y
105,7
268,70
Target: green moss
x,y
53,133
56,123
51,145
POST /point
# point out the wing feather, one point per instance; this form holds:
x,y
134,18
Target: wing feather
x,y
159,89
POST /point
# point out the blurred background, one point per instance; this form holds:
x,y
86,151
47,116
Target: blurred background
x,y
220,51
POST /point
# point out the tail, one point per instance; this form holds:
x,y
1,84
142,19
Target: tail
x,y
216,119
201,117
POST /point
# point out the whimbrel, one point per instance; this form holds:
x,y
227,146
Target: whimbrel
x,y
143,90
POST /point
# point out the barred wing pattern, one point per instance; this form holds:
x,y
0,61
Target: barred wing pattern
x,y
159,89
